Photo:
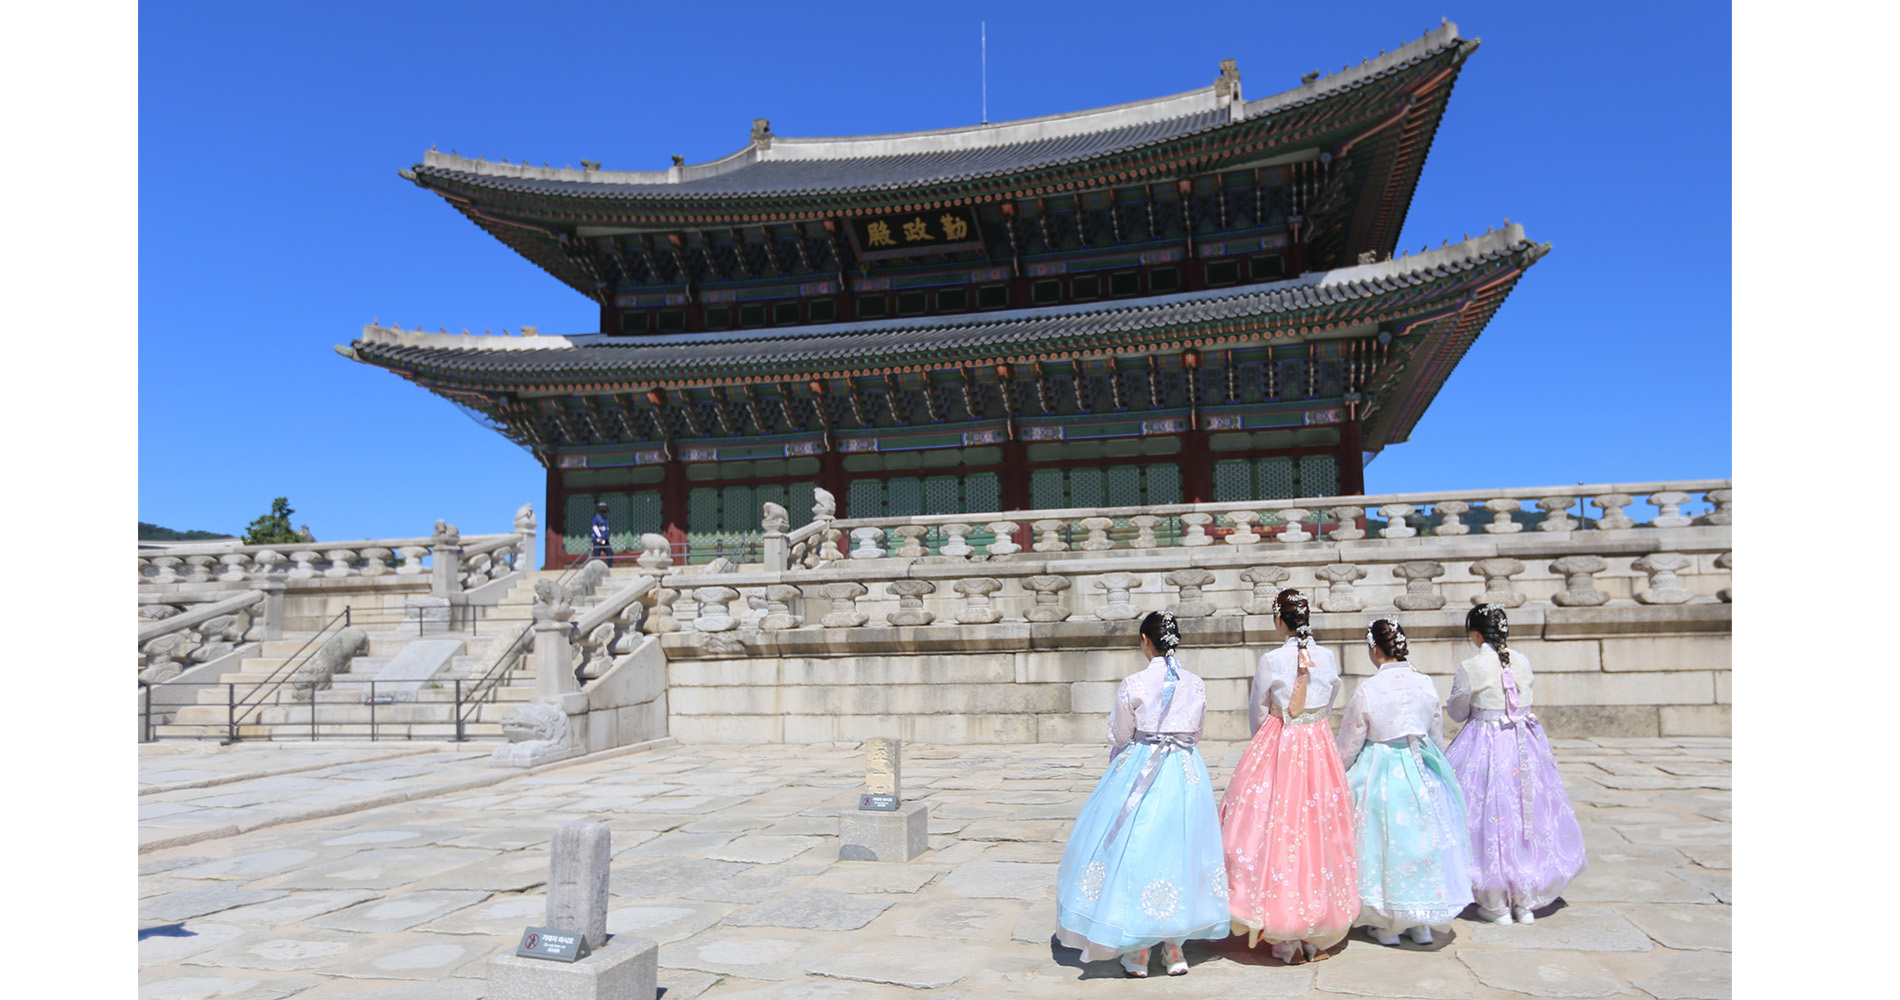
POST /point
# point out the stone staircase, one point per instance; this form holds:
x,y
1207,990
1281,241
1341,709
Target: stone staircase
x,y
421,709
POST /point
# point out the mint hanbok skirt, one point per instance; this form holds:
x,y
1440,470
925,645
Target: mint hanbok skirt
x,y
1414,850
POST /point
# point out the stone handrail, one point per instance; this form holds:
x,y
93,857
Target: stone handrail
x,y
205,633
200,615
1280,521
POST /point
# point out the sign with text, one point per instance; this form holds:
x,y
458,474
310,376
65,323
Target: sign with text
x,y
881,803
553,945
939,230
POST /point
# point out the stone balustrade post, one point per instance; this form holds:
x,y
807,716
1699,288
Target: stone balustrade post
x,y
1050,532
234,563
774,522
474,570
844,605
1193,602
1340,593
1664,588
411,560
1669,509
831,550
1098,529
1005,543
1346,520
656,554
1048,590
977,609
778,608
1295,530
1243,522
167,567
376,561
447,546
144,564
305,568
271,613
715,615
1725,561
1421,594
1194,529
1501,523
910,602
1144,525
956,543
1613,518
200,571
528,535
1556,514
913,544
1267,582
1580,588
1395,524
1497,573
868,539
1449,512
340,563
660,618
1724,503
554,661
1117,606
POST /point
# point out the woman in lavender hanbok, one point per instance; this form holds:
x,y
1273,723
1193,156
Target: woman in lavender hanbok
x,y
1413,848
1143,865
1525,843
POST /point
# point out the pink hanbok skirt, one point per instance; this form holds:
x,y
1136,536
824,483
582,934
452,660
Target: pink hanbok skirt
x,y
1286,828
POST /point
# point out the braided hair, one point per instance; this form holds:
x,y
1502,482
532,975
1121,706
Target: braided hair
x,y
1386,635
1290,607
1161,629
1488,621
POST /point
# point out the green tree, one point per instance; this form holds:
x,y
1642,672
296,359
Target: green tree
x,y
274,528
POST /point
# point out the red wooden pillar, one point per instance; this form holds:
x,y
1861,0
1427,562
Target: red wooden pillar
x,y
831,477
1013,483
554,546
1351,461
1197,468
673,504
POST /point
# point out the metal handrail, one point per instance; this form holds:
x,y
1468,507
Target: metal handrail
x,y
488,682
273,680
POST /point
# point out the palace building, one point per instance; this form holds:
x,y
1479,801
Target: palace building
x,y
1192,298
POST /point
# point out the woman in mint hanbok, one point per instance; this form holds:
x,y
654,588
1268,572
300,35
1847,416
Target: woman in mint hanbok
x,y
1414,851
1143,866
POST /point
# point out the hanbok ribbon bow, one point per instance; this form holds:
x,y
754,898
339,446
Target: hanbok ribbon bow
x,y
1165,744
1526,787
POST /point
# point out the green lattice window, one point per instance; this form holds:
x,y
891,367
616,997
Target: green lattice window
x,y
629,515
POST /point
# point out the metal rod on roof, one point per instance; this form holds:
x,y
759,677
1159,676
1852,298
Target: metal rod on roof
x,y
986,71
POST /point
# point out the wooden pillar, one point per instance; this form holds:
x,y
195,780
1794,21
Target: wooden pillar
x,y
1352,464
1197,468
1013,485
673,504
831,477
553,553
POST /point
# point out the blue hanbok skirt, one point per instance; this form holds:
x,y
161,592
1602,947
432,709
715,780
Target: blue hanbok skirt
x,y
1162,879
1414,851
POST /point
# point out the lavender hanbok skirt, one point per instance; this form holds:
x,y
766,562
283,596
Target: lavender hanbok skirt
x,y
1526,846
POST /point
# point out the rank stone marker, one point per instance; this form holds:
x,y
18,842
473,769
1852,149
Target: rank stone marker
x,y
883,827
620,966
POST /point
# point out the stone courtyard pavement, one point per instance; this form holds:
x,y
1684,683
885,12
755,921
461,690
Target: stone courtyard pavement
x,y
396,870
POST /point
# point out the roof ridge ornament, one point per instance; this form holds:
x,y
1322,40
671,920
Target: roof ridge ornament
x,y
762,133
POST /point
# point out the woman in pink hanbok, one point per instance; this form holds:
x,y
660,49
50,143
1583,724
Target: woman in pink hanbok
x,y
1286,820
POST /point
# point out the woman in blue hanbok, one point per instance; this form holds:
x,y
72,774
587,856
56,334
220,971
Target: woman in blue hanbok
x,y
1143,866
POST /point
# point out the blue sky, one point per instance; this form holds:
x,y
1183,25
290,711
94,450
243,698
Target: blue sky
x,y
272,224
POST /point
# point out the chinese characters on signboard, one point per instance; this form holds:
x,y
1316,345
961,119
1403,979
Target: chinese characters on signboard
x,y
940,230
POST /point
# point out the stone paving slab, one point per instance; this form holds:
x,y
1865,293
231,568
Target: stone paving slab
x,y
727,855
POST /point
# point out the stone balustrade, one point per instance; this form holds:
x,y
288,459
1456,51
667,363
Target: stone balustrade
x,y
181,636
1083,533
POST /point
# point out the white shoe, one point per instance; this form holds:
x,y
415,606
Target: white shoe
x,y
1420,934
1135,963
1286,951
1524,915
1495,916
1382,935
1172,957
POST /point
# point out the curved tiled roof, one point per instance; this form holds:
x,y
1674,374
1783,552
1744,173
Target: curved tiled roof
x,y
772,165
929,340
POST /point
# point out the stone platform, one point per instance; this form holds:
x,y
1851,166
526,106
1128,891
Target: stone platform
x,y
331,870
